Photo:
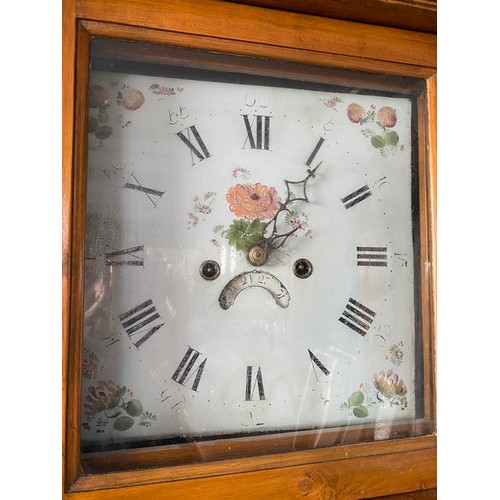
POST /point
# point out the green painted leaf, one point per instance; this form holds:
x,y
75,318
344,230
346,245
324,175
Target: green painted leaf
x,y
104,132
93,124
391,138
360,412
356,398
378,141
123,423
242,233
134,408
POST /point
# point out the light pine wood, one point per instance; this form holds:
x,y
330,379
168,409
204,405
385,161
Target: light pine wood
x,y
416,15
337,469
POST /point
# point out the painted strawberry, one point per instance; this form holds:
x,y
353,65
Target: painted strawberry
x,y
130,99
98,96
355,112
387,116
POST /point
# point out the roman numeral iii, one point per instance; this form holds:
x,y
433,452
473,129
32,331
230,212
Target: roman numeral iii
x,y
372,256
357,317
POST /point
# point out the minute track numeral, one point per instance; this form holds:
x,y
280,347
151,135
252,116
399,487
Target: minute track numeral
x,y
357,317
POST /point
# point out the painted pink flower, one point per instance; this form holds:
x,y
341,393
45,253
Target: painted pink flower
x,y
253,201
130,99
98,96
387,116
389,384
355,112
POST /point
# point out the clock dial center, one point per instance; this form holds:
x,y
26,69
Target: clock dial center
x,y
257,255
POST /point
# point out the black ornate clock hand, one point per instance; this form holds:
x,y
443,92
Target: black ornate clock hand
x,y
259,253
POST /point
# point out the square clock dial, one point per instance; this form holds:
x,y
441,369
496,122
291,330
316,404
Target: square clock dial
x,y
251,253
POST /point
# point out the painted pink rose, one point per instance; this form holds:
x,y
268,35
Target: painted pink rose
x,y
253,201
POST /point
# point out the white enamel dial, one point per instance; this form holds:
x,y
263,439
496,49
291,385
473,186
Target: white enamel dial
x,y
184,171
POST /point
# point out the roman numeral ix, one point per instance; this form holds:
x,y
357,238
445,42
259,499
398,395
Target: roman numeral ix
x,y
135,319
357,317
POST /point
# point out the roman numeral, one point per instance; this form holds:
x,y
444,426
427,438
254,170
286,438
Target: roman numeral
x,y
318,363
357,317
372,256
315,151
113,258
192,136
262,126
147,191
355,197
187,369
135,319
251,384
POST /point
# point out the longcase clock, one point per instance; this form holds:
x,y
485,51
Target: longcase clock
x,y
249,284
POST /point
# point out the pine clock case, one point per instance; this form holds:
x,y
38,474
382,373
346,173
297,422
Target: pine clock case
x,y
350,464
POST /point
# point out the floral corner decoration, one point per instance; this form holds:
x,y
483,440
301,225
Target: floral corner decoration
x,y
388,390
98,98
331,102
107,402
128,98
396,354
386,140
91,364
